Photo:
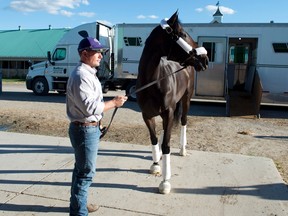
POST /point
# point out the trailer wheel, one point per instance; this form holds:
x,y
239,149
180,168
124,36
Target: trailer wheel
x,y
40,86
130,89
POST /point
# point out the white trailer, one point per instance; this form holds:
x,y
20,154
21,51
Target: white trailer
x,y
235,51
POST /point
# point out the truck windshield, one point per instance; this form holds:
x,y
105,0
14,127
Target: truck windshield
x,y
59,54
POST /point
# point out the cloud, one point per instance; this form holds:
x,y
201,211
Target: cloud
x,y
86,14
213,8
153,17
85,2
147,17
66,13
141,17
52,7
226,10
199,9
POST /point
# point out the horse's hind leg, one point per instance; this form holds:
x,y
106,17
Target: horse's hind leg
x,y
183,141
156,154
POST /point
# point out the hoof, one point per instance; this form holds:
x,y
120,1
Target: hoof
x,y
155,169
165,187
183,152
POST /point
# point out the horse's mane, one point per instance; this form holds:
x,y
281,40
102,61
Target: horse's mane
x,y
159,28
150,37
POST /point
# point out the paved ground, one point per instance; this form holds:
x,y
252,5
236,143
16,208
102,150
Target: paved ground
x,y
35,174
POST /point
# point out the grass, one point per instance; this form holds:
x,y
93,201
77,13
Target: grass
x,y
16,80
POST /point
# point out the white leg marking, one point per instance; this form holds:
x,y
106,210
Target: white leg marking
x,y
165,186
183,141
155,167
166,167
155,153
161,141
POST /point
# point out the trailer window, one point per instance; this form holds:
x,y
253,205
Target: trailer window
x,y
59,54
238,54
280,47
210,47
133,41
215,51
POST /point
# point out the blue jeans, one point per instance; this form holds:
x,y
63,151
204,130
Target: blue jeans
x,y
85,141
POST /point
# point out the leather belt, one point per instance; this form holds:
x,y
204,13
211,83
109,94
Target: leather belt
x,y
94,123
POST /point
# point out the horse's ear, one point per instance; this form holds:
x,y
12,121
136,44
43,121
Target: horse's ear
x,y
83,34
173,19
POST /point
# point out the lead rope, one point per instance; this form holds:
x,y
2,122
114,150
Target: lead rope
x,y
104,130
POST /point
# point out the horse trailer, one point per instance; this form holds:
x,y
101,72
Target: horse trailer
x,y
234,50
238,52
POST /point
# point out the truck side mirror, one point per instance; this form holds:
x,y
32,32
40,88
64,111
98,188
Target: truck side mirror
x,y
49,58
30,64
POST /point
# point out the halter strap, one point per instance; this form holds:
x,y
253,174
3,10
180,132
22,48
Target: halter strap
x,y
185,46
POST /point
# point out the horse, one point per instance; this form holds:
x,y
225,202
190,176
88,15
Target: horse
x,y
167,50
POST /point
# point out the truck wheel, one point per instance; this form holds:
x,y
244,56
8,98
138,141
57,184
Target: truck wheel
x,y
131,87
40,86
105,87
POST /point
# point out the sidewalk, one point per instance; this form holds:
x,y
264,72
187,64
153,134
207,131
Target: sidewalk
x,y
35,175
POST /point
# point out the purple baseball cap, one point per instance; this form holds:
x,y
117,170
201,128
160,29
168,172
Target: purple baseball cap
x,y
90,43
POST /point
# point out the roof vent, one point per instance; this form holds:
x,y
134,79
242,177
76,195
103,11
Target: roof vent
x,y
19,27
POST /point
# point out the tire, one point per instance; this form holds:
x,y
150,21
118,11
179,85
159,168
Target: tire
x,y
40,86
105,87
130,89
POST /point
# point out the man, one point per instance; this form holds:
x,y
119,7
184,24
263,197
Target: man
x,y
85,105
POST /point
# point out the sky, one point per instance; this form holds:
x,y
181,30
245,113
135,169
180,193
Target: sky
x,y
39,14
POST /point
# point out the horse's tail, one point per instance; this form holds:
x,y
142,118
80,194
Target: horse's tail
x,y
178,113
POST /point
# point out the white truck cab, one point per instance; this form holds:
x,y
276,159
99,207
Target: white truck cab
x,y
53,74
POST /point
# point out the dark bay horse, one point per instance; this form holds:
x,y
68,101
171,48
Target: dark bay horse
x,y
167,49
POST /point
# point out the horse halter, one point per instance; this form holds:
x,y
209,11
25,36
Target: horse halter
x,y
184,45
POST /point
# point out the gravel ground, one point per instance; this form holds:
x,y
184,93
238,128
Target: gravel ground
x,y
208,128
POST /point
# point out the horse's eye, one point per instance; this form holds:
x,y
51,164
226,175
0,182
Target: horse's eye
x,y
182,34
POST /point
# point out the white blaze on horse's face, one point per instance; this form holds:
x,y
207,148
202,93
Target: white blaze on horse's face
x,y
185,46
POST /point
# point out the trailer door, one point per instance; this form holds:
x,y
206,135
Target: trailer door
x,y
211,82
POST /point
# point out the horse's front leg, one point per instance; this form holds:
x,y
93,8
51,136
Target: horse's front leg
x,y
183,140
156,153
165,186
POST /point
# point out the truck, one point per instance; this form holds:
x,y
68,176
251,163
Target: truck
x,y
53,74
235,51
